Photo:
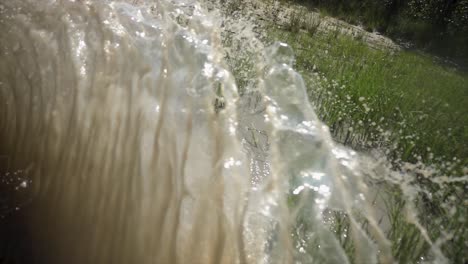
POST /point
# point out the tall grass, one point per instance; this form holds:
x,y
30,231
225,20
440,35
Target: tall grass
x,y
372,97
435,25
403,103
406,104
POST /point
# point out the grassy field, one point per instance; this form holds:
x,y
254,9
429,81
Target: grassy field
x,y
404,104
403,101
434,25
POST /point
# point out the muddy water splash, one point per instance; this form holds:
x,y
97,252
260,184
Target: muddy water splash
x,y
126,130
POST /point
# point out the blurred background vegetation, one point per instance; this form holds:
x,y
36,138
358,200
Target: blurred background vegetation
x,y
437,26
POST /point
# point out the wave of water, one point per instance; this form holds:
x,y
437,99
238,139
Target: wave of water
x,y
130,143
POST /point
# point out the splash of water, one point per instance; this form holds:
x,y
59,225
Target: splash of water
x,y
138,148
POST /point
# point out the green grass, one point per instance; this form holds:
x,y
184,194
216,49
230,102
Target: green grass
x,y
372,98
404,103
436,26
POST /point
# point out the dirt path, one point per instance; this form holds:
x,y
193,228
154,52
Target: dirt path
x,y
268,12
